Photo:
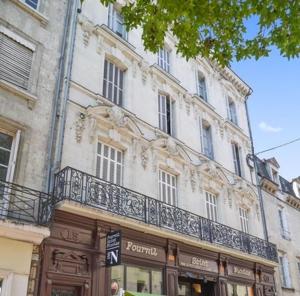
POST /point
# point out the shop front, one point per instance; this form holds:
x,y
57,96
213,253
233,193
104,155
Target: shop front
x,y
74,263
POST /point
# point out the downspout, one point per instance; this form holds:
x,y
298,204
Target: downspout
x,y
66,91
260,196
56,113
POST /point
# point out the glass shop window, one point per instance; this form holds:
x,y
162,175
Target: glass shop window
x,y
239,290
138,279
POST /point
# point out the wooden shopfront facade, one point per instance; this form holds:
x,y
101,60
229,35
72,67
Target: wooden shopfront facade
x,y
73,263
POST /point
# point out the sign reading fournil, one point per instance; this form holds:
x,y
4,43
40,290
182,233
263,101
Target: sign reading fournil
x,y
113,248
151,251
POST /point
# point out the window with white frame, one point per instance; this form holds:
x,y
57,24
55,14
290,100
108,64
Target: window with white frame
x,y
237,159
167,187
211,206
283,224
207,141
285,271
116,22
232,114
15,61
244,220
275,176
113,81
32,3
109,163
201,86
166,114
163,59
8,154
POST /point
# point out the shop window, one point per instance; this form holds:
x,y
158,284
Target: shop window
x,y
166,114
239,290
163,59
136,279
167,187
109,163
15,62
244,219
113,81
211,206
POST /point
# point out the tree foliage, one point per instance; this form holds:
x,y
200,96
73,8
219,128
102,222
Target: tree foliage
x,y
217,28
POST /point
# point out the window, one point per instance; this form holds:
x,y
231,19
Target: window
x,y
236,152
211,206
275,176
109,163
166,114
207,143
283,224
232,111
201,86
32,3
116,22
15,62
8,155
285,271
164,59
244,220
136,279
239,290
113,83
167,187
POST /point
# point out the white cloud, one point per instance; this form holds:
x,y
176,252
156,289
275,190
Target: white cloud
x,y
268,128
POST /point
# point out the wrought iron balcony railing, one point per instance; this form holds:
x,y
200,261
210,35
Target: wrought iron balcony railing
x,y
77,186
24,205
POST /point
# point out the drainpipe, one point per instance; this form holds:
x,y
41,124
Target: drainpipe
x,y
62,83
260,196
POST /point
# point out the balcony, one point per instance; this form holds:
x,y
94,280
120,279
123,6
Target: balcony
x,y
24,205
80,187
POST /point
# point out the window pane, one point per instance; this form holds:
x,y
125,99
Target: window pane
x,y
117,279
4,157
5,141
105,169
157,282
138,280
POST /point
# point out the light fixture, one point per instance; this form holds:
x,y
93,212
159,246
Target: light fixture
x,y
197,288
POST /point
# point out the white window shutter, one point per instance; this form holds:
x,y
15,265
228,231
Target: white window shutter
x,y
241,162
201,134
286,271
227,107
284,221
10,175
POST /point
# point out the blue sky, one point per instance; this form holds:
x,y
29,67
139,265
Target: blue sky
x,y
274,107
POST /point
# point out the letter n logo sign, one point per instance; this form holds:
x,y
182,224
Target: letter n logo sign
x,y
113,248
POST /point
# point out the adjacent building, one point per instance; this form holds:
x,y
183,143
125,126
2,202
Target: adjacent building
x,y
31,33
282,203
154,148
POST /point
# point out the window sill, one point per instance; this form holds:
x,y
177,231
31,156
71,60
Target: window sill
x,y
39,16
31,99
168,74
206,103
288,289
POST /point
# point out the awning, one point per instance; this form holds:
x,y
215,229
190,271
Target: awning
x,y
128,293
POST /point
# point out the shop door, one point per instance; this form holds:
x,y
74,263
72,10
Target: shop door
x,y
65,291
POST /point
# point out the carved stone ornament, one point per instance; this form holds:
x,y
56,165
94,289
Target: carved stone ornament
x,y
144,66
92,129
188,102
221,124
171,147
79,127
144,156
193,179
117,116
87,29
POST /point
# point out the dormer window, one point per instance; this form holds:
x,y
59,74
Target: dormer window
x,y
116,22
232,114
163,59
274,175
201,86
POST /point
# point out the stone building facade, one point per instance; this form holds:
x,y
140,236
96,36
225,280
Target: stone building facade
x,y
153,147
282,204
31,33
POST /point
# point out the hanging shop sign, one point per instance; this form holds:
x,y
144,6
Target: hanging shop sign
x,y
113,248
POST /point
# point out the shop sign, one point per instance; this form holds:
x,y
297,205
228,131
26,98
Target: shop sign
x,y
240,271
138,249
196,262
113,248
